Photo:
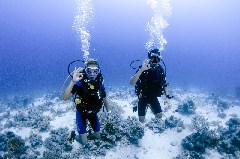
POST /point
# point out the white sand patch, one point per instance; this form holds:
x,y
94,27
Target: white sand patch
x,y
128,152
13,112
165,146
44,135
23,132
126,106
68,120
39,101
212,154
3,122
47,113
232,111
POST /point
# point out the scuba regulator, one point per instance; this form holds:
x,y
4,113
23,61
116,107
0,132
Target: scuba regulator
x,y
155,58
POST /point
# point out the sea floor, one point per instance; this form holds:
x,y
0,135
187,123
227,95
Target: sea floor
x,y
195,124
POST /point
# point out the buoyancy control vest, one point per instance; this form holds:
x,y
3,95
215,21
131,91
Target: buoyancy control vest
x,y
89,94
151,82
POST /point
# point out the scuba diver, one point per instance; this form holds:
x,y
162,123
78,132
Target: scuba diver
x,y
89,96
150,83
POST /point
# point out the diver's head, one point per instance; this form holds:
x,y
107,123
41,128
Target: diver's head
x,y
154,55
92,68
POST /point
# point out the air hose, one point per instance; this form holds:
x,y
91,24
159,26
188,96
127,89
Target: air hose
x,y
165,68
70,74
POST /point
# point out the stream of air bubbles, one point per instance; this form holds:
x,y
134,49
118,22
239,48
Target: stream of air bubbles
x,y
161,11
83,22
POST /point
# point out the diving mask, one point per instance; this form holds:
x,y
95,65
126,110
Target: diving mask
x,y
92,71
155,58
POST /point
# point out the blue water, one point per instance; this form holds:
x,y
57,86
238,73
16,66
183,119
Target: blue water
x,y
37,42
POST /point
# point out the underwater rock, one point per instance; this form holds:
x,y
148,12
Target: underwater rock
x,y
35,140
187,108
199,123
222,105
32,119
16,147
132,129
51,155
57,142
199,141
230,137
10,134
6,114
3,143
233,124
156,125
42,123
222,115
10,124
172,122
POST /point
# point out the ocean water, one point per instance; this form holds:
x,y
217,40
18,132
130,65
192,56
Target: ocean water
x,y
199,43
38,42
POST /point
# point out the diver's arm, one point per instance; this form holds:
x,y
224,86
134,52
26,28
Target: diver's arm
x,y
135,77
144,67
77,76
166,91
68,91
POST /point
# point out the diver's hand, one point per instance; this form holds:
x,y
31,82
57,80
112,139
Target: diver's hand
x,y
77,76
145,65
71,136
169,97
134,108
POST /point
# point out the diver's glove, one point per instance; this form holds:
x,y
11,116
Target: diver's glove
x,y
77,76
71,137
134,108
169,97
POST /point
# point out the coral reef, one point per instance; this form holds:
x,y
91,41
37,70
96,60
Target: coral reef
x,y
187,108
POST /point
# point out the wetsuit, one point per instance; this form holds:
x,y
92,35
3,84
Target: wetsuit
x,y
89,96
149,86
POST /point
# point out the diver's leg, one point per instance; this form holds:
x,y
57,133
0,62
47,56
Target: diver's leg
x,y
95,124
158,115
82,138
155,107
142,104
141,119
81,127
97,134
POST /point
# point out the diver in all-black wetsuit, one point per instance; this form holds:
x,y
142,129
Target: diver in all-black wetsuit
x,y
150,83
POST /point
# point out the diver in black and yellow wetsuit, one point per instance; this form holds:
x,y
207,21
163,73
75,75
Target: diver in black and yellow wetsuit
x,y
89,91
